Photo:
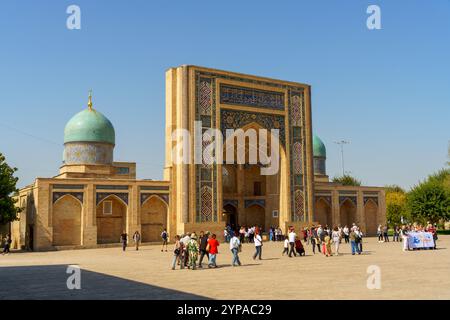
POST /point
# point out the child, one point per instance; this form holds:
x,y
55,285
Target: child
x,y
286,245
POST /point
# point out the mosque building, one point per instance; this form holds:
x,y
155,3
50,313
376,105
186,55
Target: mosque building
x,y
94,199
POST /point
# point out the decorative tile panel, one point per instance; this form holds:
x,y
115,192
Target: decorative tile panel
x,y
145,196
206,204
205,94
251,202
374,199
235,95
58,195
231,119
233,203
102,195
296,111
353,200
297,157
299,206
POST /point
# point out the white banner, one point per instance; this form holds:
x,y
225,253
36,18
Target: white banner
x,y
420,240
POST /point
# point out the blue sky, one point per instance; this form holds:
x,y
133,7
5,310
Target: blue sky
x,y
387,91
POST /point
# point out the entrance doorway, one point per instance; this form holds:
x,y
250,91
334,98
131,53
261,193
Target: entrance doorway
x,y
231,215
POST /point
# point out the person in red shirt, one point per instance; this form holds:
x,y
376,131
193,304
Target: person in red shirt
x,y
213,251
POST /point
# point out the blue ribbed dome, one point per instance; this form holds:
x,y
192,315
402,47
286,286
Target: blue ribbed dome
x,y
89,125
319,149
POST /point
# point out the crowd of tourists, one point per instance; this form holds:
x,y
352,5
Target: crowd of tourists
x,y
247,234
406,231
401,234
323,240
191,250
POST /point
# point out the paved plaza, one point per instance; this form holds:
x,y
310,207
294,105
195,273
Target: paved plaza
x,y
145,274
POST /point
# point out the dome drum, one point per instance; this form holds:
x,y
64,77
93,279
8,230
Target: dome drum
x,y
88,153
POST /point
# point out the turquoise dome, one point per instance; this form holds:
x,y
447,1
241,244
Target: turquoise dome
x,y
89,125
319,149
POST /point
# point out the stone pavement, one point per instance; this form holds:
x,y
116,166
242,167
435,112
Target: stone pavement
x,y
146,274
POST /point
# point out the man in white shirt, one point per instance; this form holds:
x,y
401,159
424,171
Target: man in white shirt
x,y
235,243
258,246
291,237
319,231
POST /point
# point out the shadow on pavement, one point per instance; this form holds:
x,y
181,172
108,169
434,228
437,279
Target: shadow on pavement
x,y
49,282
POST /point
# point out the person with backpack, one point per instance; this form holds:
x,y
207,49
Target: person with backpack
x,y
360,239
354,240
177,253
124,239
235,246
137,239
165,239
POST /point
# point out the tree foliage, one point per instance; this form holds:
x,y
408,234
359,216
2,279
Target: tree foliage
x,y
394,188
430,200
8,211
395,205
347,180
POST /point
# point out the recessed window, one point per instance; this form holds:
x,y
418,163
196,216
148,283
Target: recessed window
x,y
123,170
257,188
107,207
275,214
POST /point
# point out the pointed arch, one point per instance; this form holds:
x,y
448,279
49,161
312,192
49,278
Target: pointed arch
x,y
371,216
112,195
153,218
66,221
347,211
323,211
157,197
111,225
62,196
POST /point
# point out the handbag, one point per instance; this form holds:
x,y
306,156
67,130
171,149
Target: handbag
x,y
176,251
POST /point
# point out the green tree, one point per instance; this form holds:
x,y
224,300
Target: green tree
x,y
394,188
347,180
429,201
441,177
395,205
8,211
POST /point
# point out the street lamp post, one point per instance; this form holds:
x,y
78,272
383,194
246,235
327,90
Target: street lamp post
x,y
341,144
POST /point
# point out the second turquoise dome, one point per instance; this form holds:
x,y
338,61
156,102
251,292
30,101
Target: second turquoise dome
x,y
319,149
89,125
